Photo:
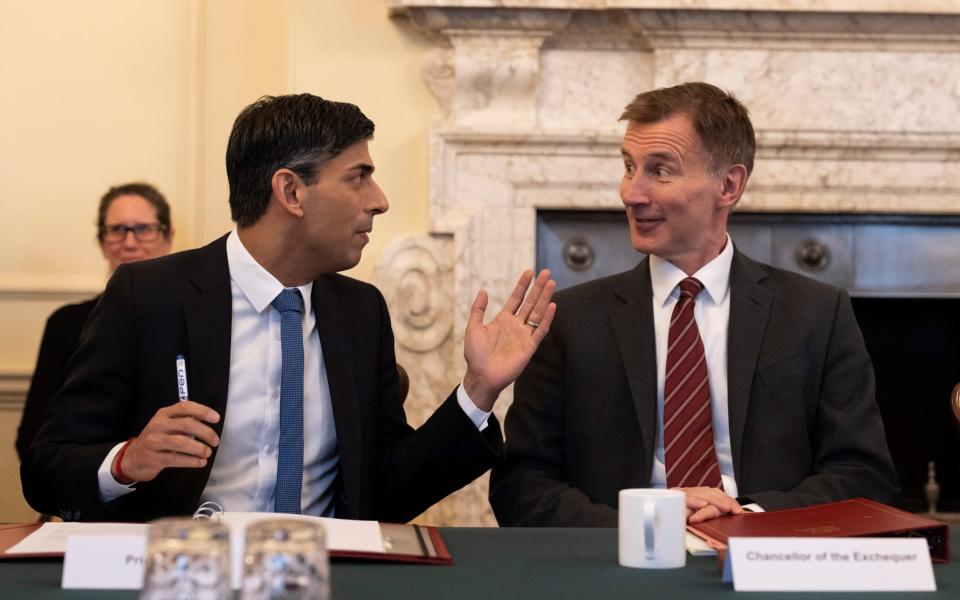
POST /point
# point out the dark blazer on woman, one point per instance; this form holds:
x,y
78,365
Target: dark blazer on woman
x,y
804,425
61,336
124,371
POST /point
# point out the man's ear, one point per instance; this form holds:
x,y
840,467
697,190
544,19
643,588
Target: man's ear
x,y
287,192
733,182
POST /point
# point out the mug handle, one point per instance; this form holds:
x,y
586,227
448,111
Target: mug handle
x,y
651,522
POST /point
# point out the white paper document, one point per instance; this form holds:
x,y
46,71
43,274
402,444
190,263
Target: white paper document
x,y
118,563
697,546
51,538
342,534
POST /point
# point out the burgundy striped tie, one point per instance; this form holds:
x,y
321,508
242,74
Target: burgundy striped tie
x,y
687,427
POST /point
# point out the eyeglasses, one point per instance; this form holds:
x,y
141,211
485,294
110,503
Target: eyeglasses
x,y
144,232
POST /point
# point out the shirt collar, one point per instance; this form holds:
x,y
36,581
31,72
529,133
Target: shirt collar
x,y
256,283
715,276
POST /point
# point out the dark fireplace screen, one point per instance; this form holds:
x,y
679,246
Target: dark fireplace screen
x,y
915,347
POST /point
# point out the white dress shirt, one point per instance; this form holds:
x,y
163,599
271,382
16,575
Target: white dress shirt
x,y
712,314
244,473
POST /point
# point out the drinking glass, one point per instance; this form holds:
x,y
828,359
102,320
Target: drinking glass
x,y
187,559
285,559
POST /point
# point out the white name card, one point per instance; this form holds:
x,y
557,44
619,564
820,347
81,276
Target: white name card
x,y
829,565
104,562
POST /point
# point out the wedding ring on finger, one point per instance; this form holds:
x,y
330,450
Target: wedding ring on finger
x,y
532,324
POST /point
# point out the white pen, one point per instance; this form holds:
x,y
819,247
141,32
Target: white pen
x,y
182,378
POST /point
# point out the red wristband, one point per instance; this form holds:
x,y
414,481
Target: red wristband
x,y
121,478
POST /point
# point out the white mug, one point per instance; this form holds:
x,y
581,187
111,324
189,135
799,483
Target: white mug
x,y
653,528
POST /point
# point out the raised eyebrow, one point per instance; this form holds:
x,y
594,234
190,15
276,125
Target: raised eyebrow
x,y
664,156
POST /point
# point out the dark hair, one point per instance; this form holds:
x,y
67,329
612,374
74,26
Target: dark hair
x,y
138,188
298,132
720,120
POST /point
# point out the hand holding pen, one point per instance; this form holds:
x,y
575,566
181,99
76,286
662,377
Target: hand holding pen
x,y
178,436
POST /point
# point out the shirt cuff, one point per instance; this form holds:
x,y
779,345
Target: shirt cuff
x,y
479,417
110,488
753,507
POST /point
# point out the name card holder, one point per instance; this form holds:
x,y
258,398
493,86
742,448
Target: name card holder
x,y
104,562
767,564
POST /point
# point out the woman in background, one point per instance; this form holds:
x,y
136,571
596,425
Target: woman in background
x,y
133,223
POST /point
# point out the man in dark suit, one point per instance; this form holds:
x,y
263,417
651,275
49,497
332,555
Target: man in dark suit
x,y
743,385
293,400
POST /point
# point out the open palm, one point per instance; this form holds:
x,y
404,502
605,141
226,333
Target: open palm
x,y
497,352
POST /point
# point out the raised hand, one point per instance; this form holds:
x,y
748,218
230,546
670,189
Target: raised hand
x,y
497,352
176,436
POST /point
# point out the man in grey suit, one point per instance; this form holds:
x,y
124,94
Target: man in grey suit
x,y
748,387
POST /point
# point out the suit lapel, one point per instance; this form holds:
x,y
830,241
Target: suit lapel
x,y
337,347
208,319
632,321
749,312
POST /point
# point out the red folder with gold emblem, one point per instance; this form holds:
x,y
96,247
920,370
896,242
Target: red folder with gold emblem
x,y
850,518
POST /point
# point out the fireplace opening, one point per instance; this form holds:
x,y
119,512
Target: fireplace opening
x,y
915,347
903,275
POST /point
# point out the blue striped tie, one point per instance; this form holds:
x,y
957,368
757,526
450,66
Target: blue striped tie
x,y
286,494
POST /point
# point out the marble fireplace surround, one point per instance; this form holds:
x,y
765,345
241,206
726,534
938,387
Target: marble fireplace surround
x,y
856,104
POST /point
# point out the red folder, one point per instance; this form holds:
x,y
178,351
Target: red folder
x,y
850,518
405,543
